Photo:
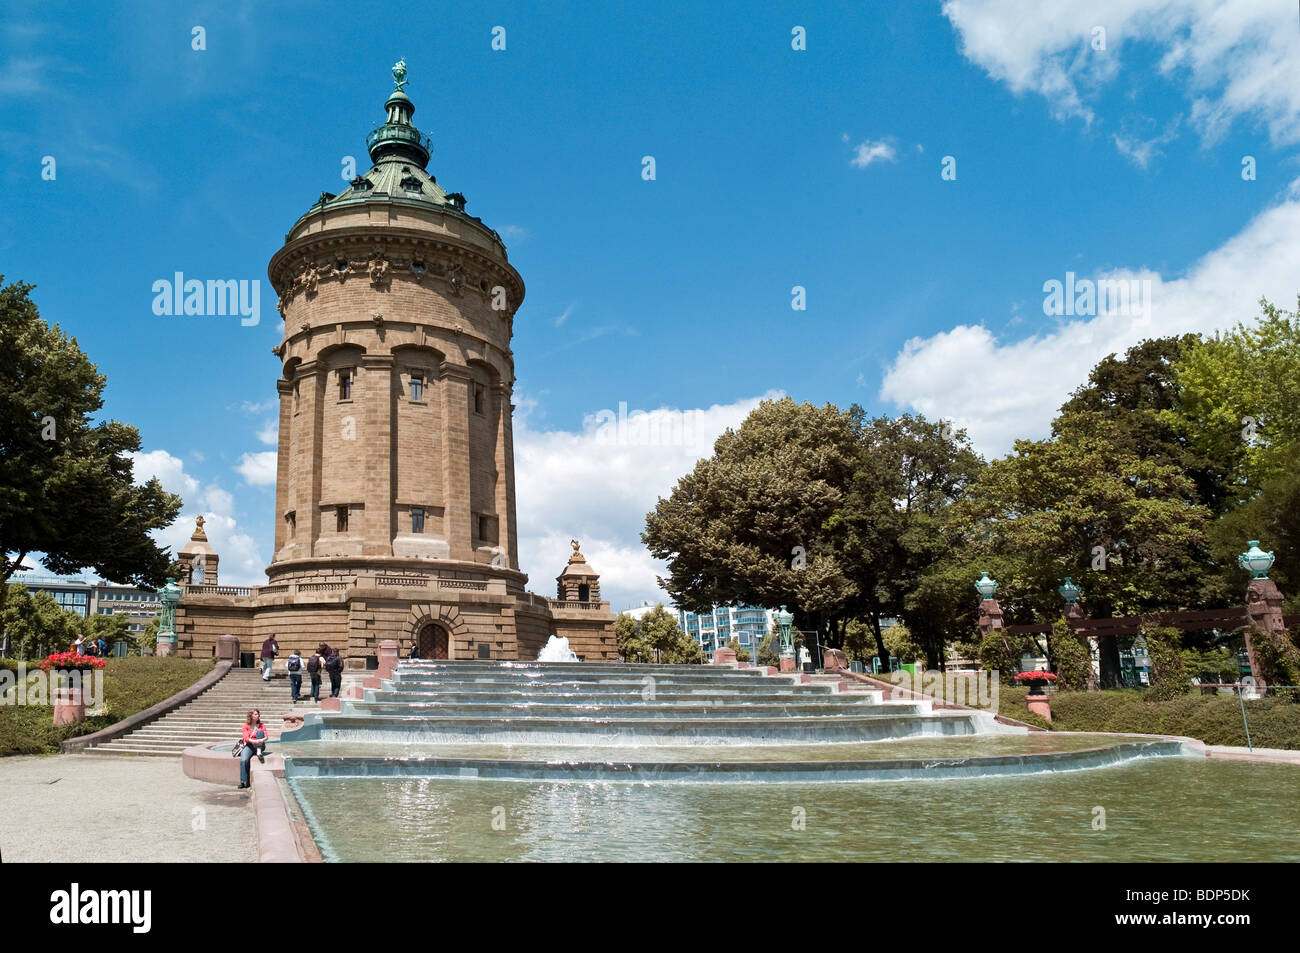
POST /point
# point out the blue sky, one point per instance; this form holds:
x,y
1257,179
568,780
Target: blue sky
x,y
775,168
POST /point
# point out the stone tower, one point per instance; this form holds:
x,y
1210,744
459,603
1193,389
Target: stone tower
x,y
395,414
395,483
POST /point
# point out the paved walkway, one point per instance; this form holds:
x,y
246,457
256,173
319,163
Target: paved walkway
x,y
1243,753
128,810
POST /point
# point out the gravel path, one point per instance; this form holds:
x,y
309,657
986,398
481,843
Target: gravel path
x,y
127,810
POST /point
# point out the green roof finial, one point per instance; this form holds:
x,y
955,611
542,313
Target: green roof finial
x,y
399,73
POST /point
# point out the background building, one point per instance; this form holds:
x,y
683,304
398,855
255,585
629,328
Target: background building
x,y
748,625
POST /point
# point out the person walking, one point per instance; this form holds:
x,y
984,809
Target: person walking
x,y
253,743
334,666
102,645
294,665
313,672
270,649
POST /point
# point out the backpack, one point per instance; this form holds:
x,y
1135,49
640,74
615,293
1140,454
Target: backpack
x,y
295,663
313,664
334,663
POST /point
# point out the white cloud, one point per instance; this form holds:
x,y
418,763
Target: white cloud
x,y
270,432
867,152
1237,59
241,563
1000,390
258,469
597,485
565,316
513,233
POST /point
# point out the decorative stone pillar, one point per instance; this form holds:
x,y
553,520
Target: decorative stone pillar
x,y
1263,602
69,704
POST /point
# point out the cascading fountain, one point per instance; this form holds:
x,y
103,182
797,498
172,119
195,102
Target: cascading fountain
x,y
441,735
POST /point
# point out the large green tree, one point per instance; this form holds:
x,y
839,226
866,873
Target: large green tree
x,y
66,489
751,524
655,637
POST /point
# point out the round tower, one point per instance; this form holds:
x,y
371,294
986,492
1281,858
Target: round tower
x,y
395,445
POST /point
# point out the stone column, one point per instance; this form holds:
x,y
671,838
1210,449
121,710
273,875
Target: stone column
x,y
283,489
990,616
507,535
379,453
306,464
1264,607
456,382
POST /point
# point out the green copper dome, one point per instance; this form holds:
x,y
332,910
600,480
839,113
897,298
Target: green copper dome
x,y
400,153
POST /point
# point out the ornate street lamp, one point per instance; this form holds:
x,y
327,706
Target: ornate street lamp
x,y
986,587
783,620
170,596
1069,592
1256,560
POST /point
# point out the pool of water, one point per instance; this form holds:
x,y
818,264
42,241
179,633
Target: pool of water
x,y
1155,809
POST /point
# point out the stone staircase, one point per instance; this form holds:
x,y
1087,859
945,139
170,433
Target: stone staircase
x,y
215,716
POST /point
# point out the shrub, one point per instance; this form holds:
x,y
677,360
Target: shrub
x,y
1169,678
1070,657
1277,657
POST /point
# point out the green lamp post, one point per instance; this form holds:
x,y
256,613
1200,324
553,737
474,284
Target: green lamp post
x,y
170,596
1069,592
986,587
1256,561
783,621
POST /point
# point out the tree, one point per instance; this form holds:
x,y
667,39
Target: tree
x,y
66,487
655,637
748,525
35,623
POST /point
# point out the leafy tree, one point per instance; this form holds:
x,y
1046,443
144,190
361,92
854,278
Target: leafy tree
x,y
1169,678
655,637
36,624
65,481
1069,657
748,525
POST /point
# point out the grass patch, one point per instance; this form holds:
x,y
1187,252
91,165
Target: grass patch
x,y
130,686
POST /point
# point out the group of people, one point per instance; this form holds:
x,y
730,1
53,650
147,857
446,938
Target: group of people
x,y
324,661
96,647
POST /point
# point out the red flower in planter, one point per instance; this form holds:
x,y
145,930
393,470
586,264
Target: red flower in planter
x,y
1036,677
70,660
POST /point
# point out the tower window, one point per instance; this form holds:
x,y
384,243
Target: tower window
x,y
484,524
345,385
341,515
417,519
291,523
478,398
417,387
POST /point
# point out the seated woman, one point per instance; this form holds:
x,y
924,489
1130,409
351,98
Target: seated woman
x,y
254,742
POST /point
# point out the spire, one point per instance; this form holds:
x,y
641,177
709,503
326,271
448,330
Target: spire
x,y
397,138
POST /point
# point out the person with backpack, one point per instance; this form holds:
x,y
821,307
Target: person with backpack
x,y
294,665
334,666
270,649
102,645
313,672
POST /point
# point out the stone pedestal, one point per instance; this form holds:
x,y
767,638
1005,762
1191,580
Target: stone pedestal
x,y
787,663
990,617
724,656
69,706
228,648
165,647
1040,706
388,650
1264,607
834,660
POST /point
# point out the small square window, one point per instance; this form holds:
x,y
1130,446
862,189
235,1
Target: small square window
x,y
341,515
417,387
345,385
417,519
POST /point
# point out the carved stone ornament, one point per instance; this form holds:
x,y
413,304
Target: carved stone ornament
x,y
380,272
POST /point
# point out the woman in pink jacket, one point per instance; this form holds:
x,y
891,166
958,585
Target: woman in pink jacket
x,y
254,743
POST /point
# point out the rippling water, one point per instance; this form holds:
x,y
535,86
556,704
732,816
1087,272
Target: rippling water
x,y
1161,809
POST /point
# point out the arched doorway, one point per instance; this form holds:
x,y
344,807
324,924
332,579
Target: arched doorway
x,y
432,641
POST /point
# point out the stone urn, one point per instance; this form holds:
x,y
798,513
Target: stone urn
x,y
69,701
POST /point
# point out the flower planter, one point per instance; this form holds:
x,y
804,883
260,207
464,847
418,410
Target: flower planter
x,y
69,706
